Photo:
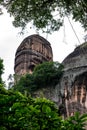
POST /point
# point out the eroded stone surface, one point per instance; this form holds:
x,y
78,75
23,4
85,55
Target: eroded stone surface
x,y
70,95
32,51
74,81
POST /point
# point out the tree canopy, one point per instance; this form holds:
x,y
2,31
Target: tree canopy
x,y
48,73
44,75
47,15
1,69
18,112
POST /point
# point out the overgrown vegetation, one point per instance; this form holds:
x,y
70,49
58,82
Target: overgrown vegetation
x,y
19,112
1,70
44,75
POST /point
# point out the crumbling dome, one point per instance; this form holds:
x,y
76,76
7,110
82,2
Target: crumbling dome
x,y
32,51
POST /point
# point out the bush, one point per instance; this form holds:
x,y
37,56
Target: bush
x,y
46,74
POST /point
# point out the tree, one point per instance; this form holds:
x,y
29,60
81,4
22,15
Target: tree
x,y
10,81
76,122
18,112
1,1
47,14
1,70
47,74
26,113
26,84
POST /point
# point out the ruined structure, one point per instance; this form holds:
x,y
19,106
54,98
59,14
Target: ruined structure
x,y
32,51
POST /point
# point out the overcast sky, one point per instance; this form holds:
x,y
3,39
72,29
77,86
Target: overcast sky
x,y
63,41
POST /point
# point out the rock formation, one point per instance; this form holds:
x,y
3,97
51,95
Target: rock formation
x,y
32,51
70,95
74,81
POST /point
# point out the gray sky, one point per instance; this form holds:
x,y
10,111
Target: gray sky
x,y
63,41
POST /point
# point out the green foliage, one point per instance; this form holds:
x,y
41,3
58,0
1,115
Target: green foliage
x,y
26,84
46,13
1,69
1,1
10,81
48,73
76,122
44,75
25,113
18,112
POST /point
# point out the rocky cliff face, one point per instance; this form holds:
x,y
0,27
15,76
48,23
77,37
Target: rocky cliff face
x,y
74,81
70,95
69,99
75,96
